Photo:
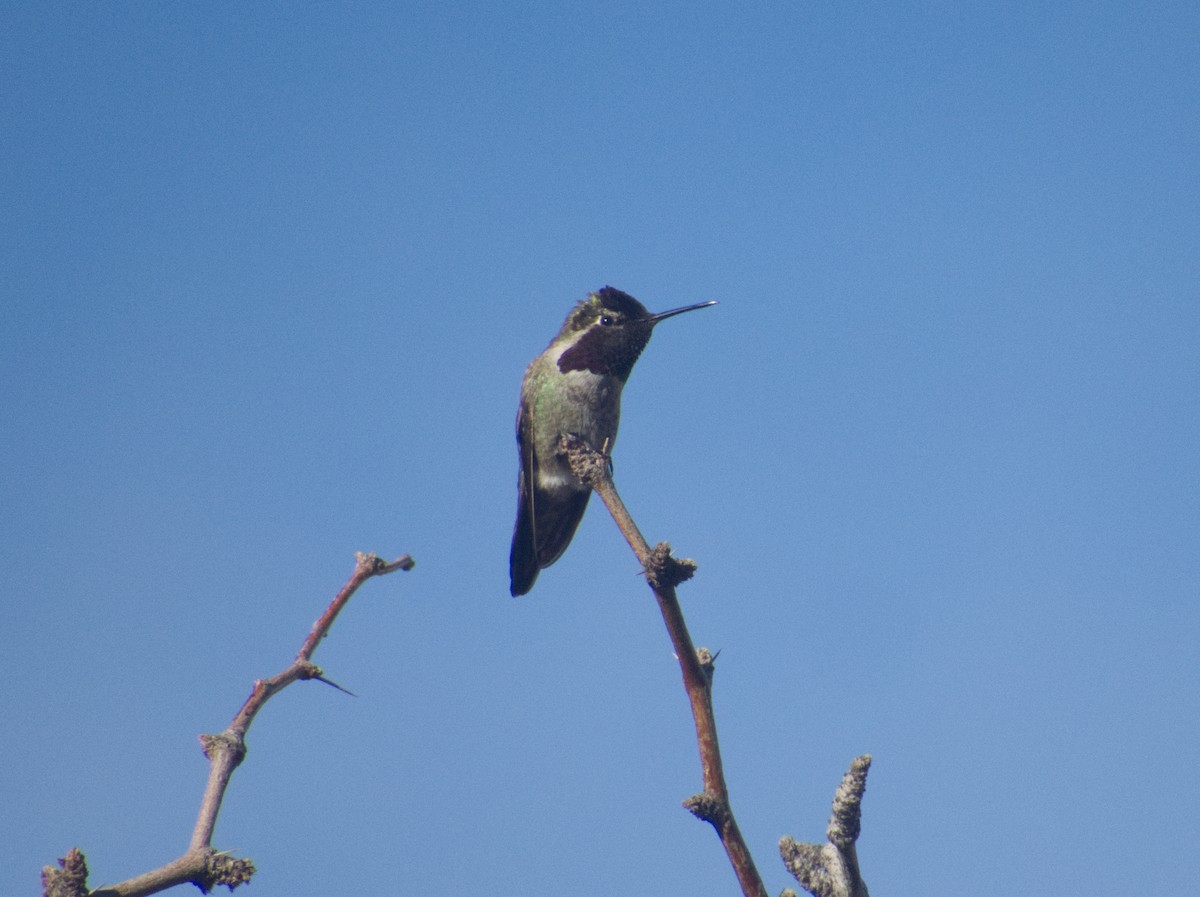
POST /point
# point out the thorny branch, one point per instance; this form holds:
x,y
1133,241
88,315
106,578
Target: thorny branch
x,y
201,865
663,573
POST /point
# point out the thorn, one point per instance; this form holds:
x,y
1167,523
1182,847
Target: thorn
x,y
335,685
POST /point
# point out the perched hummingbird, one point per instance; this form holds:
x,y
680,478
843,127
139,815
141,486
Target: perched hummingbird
x,y
573,388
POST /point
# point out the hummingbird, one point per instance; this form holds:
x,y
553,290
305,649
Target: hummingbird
x,y
572,389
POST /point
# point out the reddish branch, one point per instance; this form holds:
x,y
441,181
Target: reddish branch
x,y
664,572
201,865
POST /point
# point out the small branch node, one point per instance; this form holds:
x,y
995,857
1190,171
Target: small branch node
x,y
707,661
223,869
309,670
368,563
666,572
586,463
69,879
215,745
708,807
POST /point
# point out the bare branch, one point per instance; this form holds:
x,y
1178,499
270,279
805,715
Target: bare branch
x,y
663,573
831,869
201,865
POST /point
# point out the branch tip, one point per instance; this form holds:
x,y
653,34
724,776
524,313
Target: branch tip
x,y
69,879
405,562
807,864
845,823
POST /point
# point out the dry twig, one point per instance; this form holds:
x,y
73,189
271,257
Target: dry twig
x,y
201,865
663,573
831,869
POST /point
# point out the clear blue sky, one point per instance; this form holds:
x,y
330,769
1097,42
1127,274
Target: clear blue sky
x,y
271,274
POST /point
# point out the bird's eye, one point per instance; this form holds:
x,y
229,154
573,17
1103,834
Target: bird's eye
x,y
606,321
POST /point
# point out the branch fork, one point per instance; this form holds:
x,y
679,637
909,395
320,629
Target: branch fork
x,y
831,869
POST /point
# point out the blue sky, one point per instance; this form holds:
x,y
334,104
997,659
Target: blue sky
x,y
271,275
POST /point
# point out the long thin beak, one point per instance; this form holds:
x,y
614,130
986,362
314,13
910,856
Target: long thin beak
x,y
655,318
